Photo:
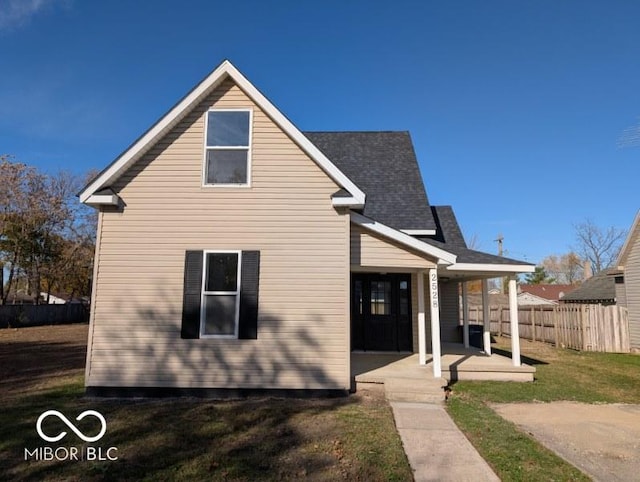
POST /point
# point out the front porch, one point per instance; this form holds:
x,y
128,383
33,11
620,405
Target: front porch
x,y
456,361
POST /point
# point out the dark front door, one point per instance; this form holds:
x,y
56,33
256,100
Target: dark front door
x,y
381,312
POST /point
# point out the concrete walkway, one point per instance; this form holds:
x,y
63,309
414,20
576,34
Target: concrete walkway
x,y
437,450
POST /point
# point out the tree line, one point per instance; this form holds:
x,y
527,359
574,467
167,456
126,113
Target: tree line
x,y
47,238
596,249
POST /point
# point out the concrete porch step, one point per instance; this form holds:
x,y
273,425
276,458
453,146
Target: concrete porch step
x,y
428,390
416,397
469,371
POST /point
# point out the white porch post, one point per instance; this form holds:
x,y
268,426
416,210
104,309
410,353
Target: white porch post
x,y
422,328
465,315
513,316
435,323
486,318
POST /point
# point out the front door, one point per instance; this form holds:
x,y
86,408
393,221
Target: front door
x,y
381,312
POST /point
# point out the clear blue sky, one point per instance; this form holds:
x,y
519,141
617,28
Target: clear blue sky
x,y
515,108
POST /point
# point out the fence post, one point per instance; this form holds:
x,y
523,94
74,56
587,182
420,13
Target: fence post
x,y
533,324
555,326
499,313
583,326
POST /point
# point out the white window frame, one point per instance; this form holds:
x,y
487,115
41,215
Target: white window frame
x,y
207,148
204,293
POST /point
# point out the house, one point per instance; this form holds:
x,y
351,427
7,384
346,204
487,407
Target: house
x,y
627,280
236,253
543,294
62,299
599,289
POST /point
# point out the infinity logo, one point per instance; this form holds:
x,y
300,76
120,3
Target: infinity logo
x,y
64,419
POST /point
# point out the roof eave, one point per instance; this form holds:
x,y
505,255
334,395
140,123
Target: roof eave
x,y
347,202
492,268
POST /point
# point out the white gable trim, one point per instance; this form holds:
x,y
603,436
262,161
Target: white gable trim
x,y
443,257
628,243
105,198
419,232
350,202
224,70
493,268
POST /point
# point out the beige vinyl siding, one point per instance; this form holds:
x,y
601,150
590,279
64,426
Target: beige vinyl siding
x,y
632,285
286,214
369,250
449,312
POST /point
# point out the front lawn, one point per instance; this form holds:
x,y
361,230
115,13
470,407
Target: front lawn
x,y
561,375
352,438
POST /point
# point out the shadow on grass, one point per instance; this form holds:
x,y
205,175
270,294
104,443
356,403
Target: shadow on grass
x,y
25,365
176,439
523,358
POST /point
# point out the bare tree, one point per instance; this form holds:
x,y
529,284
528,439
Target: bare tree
x,y
598,245
565,269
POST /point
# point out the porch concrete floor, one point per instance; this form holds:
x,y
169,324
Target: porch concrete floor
x,y
458,363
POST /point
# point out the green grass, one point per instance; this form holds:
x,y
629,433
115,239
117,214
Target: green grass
x,y
561,375
352,438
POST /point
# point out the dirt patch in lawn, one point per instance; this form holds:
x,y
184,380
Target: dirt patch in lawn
x,y
601,440
34,358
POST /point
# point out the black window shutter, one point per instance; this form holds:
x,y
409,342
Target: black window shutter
x,y
250,279
191,297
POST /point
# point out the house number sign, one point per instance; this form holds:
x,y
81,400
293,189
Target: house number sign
x,y
433,282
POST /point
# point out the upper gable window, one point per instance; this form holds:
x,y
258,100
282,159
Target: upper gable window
x,y
228,144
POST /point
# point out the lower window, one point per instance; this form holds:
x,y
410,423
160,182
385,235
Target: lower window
x,y
220,298
220,305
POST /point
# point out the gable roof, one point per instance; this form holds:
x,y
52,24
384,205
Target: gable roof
x,y
224,71
548,291
599,288
384,166
632,238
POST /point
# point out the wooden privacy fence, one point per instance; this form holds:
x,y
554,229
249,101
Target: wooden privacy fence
x,y
577,326
16,316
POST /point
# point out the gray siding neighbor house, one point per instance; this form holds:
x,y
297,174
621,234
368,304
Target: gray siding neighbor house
x,y
629,267
599,289
253,256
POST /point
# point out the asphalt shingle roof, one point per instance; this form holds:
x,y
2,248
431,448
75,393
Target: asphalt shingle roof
x,y
384,166
600,287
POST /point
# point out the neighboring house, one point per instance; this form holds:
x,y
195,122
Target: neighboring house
x,y
528,299
53,299
499,299
599,289
236,253
627,280
62,299
543,294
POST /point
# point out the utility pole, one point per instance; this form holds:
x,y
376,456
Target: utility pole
x,y
500,240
